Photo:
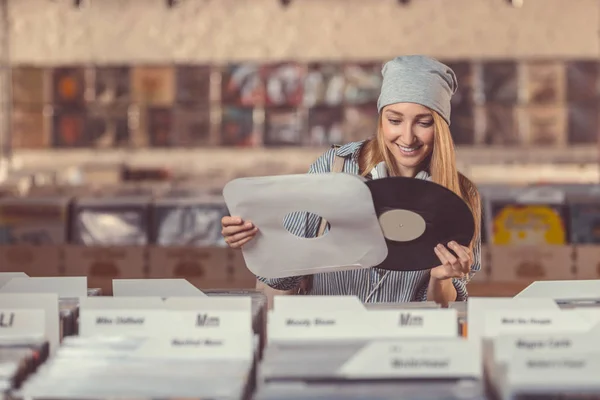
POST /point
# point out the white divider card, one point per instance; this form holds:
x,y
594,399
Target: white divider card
x,y
563,290
499,322
15,323
506,346
547,372
7,276
478,307
48,302
64,287
290,304
446,358
202,335
352,325
188,327
155,287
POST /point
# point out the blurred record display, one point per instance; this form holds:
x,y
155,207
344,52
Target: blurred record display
x,y
545,125
501,126
159,122
283,127
113,85
34,221
68,86
528,224
193,84
192,126
325,126
284,84
68,129
583,123
242,85
30,129
363,83
462,124
111,221
153,85
107,128
500,82
583,81
465,75
360,122
545,82
324,85
181,221
28,86
237,127
585,221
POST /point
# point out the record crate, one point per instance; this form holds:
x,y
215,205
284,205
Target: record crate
x,y
204,267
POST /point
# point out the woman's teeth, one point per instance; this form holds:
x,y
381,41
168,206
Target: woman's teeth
x,y
409,149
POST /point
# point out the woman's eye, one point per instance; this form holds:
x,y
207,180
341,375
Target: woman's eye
x,y
426,124
394,121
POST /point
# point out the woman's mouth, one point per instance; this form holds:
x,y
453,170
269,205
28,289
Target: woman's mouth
x,y
408,151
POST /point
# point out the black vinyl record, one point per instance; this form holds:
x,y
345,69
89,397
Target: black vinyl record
x,y
415,216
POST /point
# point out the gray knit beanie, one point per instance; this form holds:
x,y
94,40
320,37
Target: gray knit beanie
x,y
418,79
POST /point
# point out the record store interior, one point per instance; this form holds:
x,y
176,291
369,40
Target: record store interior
x,y
299,199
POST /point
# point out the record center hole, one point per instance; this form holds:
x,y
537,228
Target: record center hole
x,y
297,223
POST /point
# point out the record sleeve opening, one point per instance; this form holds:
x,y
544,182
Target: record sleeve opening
x,y
299,223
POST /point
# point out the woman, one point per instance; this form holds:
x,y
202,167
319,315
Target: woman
x,y
413,140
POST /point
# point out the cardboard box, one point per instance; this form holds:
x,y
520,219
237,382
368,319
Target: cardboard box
x,y
32,260
105,262
587,261
531,263
192,263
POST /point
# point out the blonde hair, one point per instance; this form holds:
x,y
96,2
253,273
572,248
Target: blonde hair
x,y
441,165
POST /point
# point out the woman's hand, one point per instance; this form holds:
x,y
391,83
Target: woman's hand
x,y
452,266
237,232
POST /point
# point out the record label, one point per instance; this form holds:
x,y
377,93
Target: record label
x,y
401,225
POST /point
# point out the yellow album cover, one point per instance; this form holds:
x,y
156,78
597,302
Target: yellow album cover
x,y
519,224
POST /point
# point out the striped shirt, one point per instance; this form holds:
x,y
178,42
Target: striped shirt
x,y
372,285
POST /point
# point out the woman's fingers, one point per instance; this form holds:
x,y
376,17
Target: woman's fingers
x,y
449,261
234,240
242,242
464,256
232,229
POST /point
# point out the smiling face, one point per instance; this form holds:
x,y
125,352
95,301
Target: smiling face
x,y
408,132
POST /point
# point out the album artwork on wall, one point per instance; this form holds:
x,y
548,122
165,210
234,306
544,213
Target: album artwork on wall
x,y
583,81
106,128
112,85
242,85
153,85
325,126
324,85
68,85
28,86
284,84
500,82
193,83
192,127
363,83
283,127
158,123
501,129
238,128
544,82
583,123
360,122
68,128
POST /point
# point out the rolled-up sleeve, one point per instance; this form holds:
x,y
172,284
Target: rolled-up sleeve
x,y
302,224
461,284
